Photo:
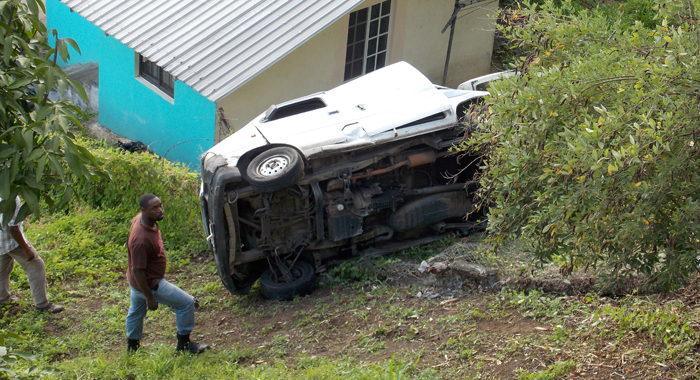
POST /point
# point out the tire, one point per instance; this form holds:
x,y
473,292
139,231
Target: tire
x,y
303,284
275,169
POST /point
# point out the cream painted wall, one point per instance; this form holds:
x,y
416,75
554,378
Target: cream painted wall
x,y
425,47
415,37
315,66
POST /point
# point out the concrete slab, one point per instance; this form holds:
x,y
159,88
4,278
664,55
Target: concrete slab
x,y
84,73
89,76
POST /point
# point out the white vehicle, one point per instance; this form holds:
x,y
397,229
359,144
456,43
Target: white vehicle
x,y
359,169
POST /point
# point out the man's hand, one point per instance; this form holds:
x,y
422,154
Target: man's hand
x,y
140,278
152,303
18,236
30,253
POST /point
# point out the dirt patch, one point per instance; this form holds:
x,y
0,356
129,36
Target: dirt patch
x,y
96,131
460,332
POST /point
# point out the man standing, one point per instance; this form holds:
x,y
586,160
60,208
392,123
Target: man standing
x,y
146,272
15,247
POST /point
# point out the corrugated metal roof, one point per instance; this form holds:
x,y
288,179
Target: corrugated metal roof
x,y
213,46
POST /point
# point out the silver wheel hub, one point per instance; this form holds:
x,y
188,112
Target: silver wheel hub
x,y
273,165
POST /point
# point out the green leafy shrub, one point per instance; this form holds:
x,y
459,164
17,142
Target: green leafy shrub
x,y
592,150
36,141
11,360
87,243
621,14
86,240
134,174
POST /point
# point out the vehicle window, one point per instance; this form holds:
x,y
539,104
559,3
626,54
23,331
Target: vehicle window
x,y
482,86
464,107
295,108
434,117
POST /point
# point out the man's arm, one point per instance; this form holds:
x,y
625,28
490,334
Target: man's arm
x,y
17,235
140,278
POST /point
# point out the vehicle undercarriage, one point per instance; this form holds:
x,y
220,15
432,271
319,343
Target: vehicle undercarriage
x,y
377,199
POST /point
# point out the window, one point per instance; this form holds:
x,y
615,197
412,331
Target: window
x,y
280,112
156,75
368,37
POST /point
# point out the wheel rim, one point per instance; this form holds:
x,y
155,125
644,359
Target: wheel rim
x,y
273,166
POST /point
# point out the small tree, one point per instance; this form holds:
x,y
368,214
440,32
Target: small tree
x,y
36,142
592,151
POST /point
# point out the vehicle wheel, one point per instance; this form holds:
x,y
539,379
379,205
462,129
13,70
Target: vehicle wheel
x,y
304,282
275,169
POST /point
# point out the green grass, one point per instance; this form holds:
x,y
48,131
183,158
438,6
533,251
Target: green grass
x,y
161,363
369,319
553,372
360,325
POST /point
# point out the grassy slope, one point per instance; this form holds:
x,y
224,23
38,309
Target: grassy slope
x,y
360,325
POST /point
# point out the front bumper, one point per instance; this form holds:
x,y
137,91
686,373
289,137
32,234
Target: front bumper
x,y
215,179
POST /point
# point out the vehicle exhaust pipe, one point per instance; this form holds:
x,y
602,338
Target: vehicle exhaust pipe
x,y
416,159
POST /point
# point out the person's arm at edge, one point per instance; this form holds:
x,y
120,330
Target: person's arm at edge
x,y
17,235
140,278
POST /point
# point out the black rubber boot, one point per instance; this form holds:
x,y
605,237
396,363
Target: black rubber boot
x,y
132,345
184,344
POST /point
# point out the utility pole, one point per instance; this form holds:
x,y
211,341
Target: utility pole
x,y
451,24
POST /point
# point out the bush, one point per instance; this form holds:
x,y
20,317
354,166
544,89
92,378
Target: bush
x,y
88,243
87,239
625,14
134,174
592,151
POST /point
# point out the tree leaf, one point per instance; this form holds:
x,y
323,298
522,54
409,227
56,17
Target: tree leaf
x,y
62,51
57,168
67,195
5,183
20,82
25,356
72,43
7,50
29,197
62,86
78,87
49,79
43,112
40,165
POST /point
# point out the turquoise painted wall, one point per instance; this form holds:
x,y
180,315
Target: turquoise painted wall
x,y
180,131
72,25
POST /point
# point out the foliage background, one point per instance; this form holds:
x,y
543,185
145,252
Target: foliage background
x,y
591,150
37,143
94,229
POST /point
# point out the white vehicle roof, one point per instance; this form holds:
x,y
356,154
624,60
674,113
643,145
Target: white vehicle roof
x,y
368,110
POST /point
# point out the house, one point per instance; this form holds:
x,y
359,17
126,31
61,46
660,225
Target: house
x,y
180,75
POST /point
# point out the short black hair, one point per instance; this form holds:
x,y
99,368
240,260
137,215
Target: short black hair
x,y
145,200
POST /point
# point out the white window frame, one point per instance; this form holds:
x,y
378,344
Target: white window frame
x,y
162,80
351,58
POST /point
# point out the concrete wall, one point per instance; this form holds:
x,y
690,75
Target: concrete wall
x,y
415,37
418,39
179,128
72,25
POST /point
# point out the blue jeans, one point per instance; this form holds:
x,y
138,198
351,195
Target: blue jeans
x,y
167,294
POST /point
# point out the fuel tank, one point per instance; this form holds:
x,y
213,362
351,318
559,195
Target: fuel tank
x,y
430,209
